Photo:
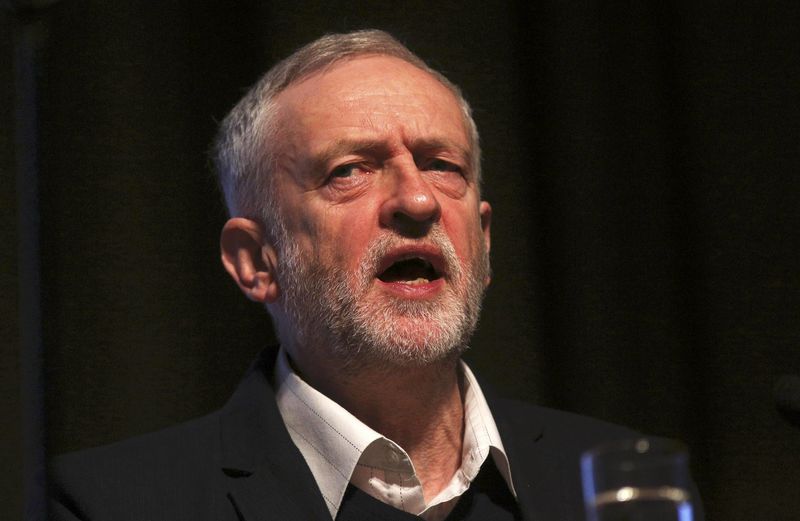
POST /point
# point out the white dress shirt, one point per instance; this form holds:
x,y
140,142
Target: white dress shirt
x,y
340,449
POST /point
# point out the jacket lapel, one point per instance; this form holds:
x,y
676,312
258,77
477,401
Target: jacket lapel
x,y
266,474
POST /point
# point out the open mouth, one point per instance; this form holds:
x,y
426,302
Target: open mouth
x,y
413,270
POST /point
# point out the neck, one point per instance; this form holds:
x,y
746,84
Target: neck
x,y
419,408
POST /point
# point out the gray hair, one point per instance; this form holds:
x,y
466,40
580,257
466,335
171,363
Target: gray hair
x,y
243,149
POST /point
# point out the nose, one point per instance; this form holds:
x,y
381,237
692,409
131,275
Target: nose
x,y
410,206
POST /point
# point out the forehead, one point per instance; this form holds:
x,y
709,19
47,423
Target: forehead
x,y
371,94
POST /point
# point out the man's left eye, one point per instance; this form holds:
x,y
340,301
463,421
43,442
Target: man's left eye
x,y
442,165
343,171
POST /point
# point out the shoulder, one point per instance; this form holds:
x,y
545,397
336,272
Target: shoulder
x,y
543,438
152,475
182,472
558,420
549,434
558,426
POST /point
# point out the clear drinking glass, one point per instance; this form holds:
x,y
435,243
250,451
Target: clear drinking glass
x,y
637,480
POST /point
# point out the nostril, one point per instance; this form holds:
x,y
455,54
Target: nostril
x,y
413,217
409,226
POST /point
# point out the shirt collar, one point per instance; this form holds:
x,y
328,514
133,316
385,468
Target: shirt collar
x,y
333,441
480,432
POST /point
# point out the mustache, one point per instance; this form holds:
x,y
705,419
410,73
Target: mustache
x,y
383,244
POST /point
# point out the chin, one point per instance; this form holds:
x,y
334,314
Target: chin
x,y
413,337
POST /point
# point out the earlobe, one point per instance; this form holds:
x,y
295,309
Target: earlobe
x,y
249,259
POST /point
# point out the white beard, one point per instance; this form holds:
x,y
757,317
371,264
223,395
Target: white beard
x,y
335,312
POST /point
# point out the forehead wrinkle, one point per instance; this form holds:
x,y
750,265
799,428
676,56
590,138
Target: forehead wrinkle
x,y
392,100
394,115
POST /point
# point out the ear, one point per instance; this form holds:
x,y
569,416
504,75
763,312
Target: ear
x,y
249,259
486,223
485,210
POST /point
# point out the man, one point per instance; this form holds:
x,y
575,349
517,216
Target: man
x,y
352,175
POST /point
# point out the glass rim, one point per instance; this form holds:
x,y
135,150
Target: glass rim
x,y
640,446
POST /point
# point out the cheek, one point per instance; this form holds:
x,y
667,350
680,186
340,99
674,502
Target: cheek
x,y
306,235
465,232
341,239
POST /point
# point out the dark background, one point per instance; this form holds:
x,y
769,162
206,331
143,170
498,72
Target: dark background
x,y
641,159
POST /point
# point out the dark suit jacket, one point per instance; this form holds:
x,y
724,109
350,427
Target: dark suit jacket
x,y
240,463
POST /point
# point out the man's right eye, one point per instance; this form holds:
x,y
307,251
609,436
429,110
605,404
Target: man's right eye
x,y
349,170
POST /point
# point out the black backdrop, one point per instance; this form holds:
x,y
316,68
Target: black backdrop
x,y
641,159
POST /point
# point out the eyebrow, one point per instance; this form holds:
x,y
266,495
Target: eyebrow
x,y
345,146
441,144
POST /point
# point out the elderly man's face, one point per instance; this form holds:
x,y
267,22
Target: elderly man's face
x,y
385,253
